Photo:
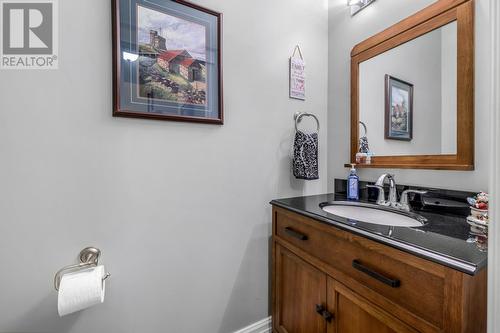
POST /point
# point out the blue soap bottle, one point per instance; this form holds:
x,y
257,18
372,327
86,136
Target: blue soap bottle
x,y
352,185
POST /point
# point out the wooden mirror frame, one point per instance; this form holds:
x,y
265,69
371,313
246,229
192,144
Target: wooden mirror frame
x,y
433,17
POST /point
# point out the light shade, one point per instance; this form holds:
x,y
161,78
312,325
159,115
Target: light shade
x,y
358,5
355,3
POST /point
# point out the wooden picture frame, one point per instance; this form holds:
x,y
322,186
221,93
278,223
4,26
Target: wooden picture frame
x,y
161,78
430,18
406,113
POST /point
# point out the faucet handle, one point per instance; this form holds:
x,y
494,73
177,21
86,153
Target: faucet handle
x,y
406,192
381,195
404,198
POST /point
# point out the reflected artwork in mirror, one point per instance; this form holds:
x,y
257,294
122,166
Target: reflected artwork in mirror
x,y
412,86
398,109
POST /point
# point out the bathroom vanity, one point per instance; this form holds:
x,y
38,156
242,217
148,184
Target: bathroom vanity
x,y
338,269
332,274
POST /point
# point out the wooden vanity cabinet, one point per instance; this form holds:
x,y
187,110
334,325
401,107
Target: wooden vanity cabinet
x,y
301,289
354,314
326,280
308,299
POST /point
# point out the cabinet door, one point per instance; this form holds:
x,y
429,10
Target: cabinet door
x,y
299,288
354,314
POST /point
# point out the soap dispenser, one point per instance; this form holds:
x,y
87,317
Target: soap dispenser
x,y
353,184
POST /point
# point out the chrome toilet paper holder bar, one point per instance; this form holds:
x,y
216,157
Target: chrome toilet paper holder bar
x,y
89,257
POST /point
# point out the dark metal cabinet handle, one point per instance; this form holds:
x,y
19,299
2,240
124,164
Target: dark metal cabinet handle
x,y
328,316
394,283
295,234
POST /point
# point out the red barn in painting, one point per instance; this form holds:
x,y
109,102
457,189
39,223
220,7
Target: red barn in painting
x,y
191,69
170,60
181,62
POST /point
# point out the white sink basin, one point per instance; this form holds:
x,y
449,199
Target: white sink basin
x,y
374,214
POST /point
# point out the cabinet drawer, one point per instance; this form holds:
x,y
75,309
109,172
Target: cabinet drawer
x,y
413,283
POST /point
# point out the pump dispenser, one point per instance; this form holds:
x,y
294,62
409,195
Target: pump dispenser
x,y
353,184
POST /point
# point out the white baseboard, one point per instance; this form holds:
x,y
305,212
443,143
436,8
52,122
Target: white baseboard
x,y
262,326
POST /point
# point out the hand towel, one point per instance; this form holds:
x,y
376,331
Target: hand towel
x,y
305,156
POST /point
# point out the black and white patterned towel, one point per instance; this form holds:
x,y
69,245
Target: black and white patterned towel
x,y
305,156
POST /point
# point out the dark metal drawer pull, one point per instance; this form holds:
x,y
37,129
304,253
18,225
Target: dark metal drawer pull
x,y
295,234
390,282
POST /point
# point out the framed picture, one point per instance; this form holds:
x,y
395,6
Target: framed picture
x,y
167,61
398,109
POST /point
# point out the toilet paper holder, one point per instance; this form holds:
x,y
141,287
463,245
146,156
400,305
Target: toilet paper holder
x,y
89,257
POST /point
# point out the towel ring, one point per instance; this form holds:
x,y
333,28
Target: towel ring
x,y
298,118
364,126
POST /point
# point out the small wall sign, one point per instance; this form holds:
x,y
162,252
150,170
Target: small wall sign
x,y
297,75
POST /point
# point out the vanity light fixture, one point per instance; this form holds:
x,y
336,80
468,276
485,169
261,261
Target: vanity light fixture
x,y
358,5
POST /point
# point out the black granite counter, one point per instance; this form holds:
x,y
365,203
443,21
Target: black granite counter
x,y
443,239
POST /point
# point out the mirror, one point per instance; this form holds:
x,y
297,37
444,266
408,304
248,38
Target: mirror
x,y
412,92
407,96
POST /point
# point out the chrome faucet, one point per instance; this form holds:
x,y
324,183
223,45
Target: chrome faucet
x,y
379,184
393,196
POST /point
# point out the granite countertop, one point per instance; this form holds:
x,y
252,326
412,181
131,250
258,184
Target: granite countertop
x,y
441,240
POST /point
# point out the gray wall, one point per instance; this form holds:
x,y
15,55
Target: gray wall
x,y
179,210
344,33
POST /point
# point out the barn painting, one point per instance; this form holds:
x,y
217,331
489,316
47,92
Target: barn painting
x,y
172,58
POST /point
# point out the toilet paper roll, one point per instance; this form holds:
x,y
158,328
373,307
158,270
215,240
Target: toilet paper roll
x,y
81,290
